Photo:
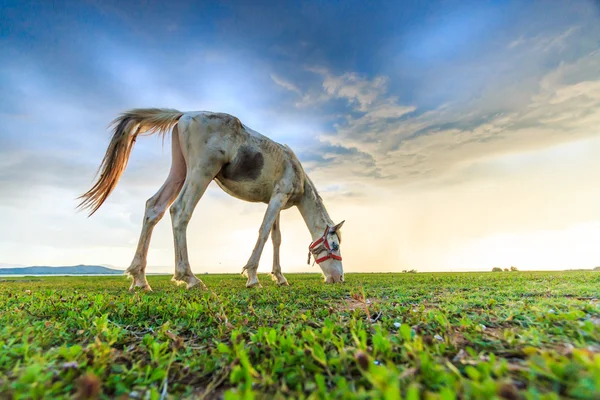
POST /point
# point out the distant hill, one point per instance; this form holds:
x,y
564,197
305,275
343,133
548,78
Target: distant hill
x,y
74,270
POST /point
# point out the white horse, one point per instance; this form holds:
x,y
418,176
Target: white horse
x,y
244,163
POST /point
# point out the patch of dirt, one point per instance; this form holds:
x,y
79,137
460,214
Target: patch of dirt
x,y
355,302
566,349
577,297
217,393
459,340
426,308
495,332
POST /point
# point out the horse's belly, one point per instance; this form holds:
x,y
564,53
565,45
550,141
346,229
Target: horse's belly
x,y
248,191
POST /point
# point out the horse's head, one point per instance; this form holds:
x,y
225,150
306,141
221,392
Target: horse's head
x,y
326,252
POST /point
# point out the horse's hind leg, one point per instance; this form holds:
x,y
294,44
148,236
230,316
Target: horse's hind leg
x,y
155,209
204,161
195,185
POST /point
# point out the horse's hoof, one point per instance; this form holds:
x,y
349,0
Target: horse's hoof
x,y
143,288
280,280
193,282
197,285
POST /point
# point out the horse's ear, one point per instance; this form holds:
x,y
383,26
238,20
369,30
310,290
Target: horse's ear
x,y
338,226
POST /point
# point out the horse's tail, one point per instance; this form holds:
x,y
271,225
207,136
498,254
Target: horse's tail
x,y
127,127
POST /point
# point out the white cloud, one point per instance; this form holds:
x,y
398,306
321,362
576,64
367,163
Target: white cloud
x,y
285,84
545,42
355,89
407,146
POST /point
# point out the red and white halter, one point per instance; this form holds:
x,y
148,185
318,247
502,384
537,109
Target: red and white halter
x,y
320,245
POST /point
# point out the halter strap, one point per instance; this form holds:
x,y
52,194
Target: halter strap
x,y
320,245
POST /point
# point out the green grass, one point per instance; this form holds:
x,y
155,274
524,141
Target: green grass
x,y
530,335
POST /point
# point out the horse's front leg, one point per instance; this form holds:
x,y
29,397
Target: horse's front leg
x,y
276,238
275,205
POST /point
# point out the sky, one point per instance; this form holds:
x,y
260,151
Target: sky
x,y
449,135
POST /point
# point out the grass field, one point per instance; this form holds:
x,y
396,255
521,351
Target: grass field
x,y
531,335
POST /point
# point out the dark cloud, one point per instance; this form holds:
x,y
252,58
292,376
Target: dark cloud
x,y
321,152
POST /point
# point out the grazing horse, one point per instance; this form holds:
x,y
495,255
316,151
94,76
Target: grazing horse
x,y
243,162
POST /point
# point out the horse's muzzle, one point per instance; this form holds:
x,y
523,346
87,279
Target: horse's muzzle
x,y
335,278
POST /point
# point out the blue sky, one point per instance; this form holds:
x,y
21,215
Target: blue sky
x,y
416,112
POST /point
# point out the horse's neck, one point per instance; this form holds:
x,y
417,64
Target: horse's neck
x,y
313,211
